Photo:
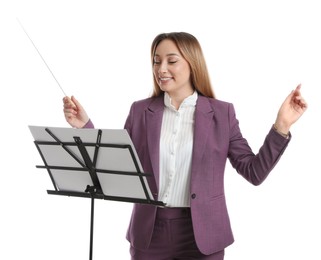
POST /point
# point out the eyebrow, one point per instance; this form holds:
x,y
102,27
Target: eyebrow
x,y
169,54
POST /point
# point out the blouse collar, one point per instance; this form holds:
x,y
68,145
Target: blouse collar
x,y
189,101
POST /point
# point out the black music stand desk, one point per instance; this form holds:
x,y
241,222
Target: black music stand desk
x,y
92,163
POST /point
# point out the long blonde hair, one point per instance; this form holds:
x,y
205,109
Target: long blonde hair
x,y
192,52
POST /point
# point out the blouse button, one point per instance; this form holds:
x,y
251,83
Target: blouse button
x,y
193,196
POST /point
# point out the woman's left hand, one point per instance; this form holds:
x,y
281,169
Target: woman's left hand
x,y
290,111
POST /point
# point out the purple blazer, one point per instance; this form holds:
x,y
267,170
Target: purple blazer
x,y
216,137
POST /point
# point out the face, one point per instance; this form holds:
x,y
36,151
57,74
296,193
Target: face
x,y
171,70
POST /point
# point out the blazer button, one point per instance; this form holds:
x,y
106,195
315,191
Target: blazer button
x,y
193,196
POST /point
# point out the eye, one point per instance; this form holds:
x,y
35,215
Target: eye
x,y
172,61
156,61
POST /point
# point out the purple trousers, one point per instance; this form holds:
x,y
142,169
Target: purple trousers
x,y
173,238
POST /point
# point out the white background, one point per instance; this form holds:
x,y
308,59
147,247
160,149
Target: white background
x,y
257,52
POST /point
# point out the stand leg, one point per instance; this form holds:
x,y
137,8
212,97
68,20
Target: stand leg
x,y
91,228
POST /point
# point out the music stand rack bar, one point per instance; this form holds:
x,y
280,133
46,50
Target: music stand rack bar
x,y
105,197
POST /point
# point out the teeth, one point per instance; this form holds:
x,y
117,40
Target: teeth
x,y
165,78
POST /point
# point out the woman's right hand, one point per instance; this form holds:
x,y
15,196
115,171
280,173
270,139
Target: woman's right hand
x,y
75,114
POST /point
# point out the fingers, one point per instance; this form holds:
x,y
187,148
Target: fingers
x,y
69,108
298,99
296,91
76,102
68,103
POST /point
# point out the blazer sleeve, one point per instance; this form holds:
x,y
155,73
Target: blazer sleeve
x,y
89,124
254,167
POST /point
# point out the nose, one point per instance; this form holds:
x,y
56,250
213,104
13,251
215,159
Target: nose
x,y
162,68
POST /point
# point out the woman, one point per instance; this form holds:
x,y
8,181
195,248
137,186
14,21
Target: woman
x,y
183,135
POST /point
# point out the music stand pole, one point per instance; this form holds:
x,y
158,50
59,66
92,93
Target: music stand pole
x,y
92,191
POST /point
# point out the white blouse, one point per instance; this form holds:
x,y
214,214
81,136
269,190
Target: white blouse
x,y
176,145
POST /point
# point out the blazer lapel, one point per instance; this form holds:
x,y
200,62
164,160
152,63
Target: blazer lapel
x,y
203,119
154,116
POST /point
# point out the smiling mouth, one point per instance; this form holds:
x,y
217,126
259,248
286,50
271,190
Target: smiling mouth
x,y
164,80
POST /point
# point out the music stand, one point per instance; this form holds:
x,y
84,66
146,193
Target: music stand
x,y
92,163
